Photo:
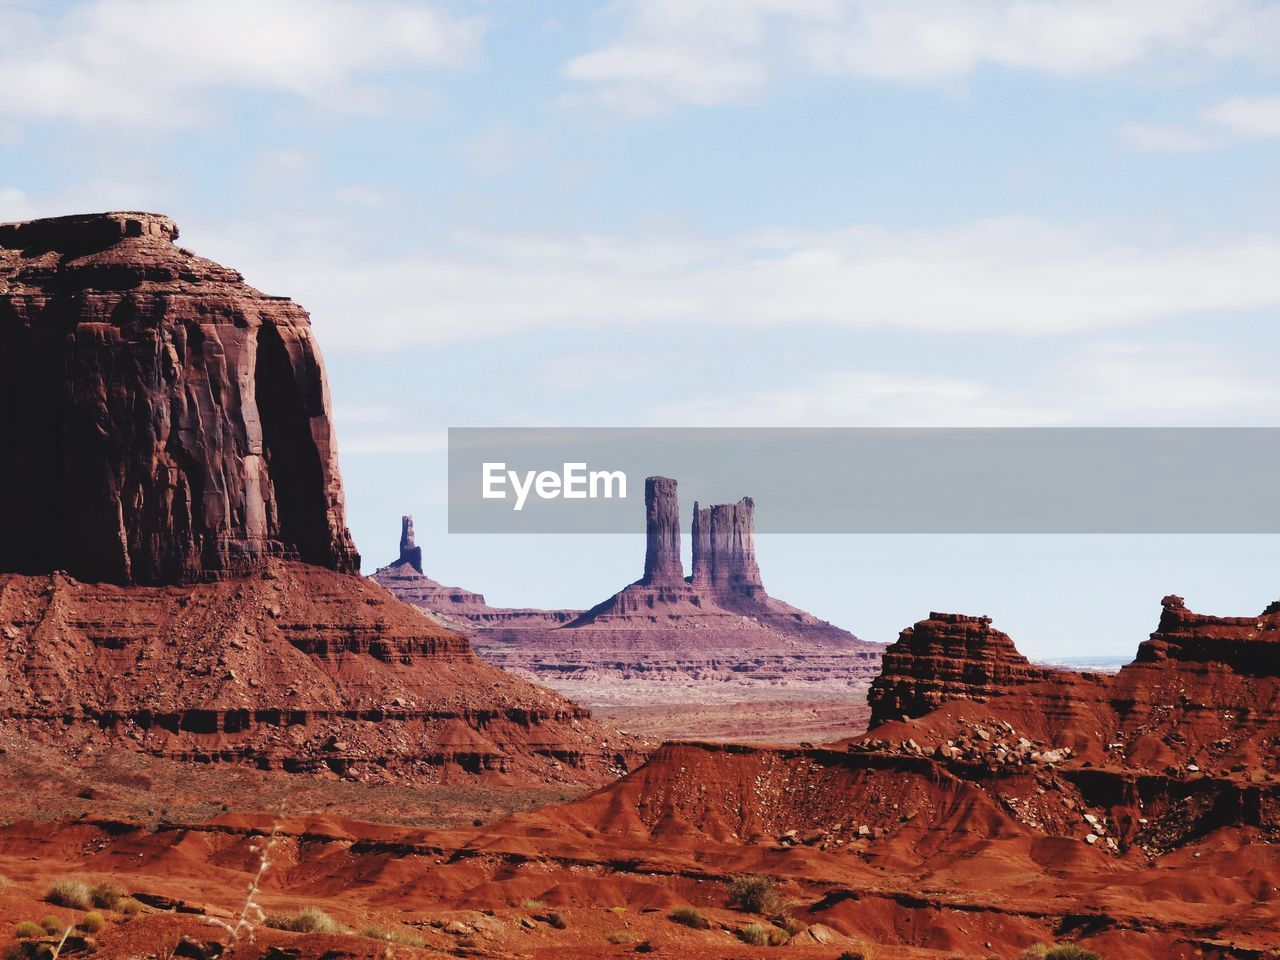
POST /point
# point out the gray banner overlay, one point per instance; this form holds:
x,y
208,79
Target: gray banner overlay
x,y
1033,480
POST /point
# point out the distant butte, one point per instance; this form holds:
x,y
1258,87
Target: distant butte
x,y
709,654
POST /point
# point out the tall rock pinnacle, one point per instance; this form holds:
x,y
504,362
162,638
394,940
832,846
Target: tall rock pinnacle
x,y
662,525
724,550
410,552
163,422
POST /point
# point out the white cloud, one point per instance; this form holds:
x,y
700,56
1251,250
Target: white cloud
x,y
157,62
1016,276
1248,117
1234,120
1167,138
1106,384
705,52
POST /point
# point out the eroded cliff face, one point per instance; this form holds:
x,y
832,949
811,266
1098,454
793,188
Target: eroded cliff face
x,y
724,551
947,657
164,421
175,569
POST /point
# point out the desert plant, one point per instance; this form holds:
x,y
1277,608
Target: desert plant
x,y
557,921
306,920
70,893
863,951
690,917
405,937
618,910
1062,951
92,922
532,904
52,924
757,893
106,895
26,930
621,936
754,935
244,926
129,906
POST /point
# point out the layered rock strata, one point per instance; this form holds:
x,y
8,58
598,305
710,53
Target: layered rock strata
x,y
176,572
949,656
164,421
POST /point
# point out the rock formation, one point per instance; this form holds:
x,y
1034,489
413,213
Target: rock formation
x,y
410,552
164,422
666,641
175,570
662,562
947,657
724,552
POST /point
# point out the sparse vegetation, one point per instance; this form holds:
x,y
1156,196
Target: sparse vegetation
x,y
27,929
404,937
73,894
533,904
617,909
754,935
621,936
1062,951
106,895
757,893
306,920
52,923
863,951
129,906
557,921
92,922
690,917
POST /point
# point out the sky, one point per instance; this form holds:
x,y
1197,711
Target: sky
x,y
716,213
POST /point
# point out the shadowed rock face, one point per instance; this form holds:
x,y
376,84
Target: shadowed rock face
x,y
163,422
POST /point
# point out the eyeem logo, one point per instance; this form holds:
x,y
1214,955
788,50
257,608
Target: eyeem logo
x,y
574,482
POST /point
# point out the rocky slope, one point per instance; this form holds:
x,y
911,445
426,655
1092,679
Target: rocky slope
x,y
175,572
666,641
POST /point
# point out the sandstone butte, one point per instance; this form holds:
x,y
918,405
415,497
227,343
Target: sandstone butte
x,y
177,574
711,654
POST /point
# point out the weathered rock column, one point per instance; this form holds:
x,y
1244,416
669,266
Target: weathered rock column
x,y
662,525
410,552
724,550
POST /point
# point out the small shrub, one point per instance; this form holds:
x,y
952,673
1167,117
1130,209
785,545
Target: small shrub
x,y
862,952
70,893
618,910
790,925
756,893
557,921
1063,951
1070,951
621,936
92,922
306,920
53,924
26,930
106,895
129,906
405,937
533,904
690,917
754,935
